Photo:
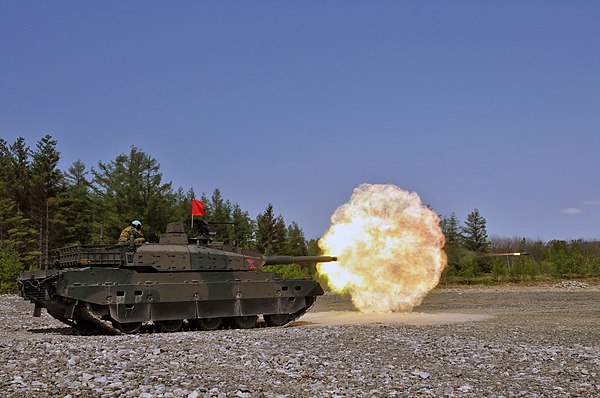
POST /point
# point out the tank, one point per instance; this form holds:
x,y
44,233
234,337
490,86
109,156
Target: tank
x,y
178,282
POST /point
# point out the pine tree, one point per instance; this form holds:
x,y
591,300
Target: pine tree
x,y
474,234
279,236
16,235
270,232
451,230
131,188
46,186
10,267
81,206
295,243
207,204
313,248
15,173
243,228
5,159
183,207
221,218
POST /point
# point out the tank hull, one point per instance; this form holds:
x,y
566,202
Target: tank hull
x,y
94,297
177,282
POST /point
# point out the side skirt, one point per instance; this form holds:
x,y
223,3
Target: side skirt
x,y
143,312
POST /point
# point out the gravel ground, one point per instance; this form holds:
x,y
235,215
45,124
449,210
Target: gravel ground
x,y
534,342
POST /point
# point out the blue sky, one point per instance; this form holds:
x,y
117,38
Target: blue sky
x,y
488,105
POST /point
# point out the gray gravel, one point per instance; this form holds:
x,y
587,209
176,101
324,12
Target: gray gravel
x,y
539,342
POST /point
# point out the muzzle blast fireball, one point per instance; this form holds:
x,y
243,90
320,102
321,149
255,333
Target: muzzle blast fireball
x,y
389,248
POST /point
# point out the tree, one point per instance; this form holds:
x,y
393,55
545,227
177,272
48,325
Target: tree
x,y
279,235
243,228
270,232
565,258
451,229
474,234
16,235
15,173
82,206
46,185
207,204
469,266
295,243
184,205
10,267
5,168
131,187
220,216
454,251
475,239
312,247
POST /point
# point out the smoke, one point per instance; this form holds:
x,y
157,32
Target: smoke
x,y
389,249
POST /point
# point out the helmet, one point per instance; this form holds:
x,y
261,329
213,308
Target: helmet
x,y
136,224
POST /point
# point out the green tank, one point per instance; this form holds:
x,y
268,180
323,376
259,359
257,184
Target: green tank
x,y
178,282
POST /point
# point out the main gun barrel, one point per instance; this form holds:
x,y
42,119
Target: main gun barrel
x,y
284,260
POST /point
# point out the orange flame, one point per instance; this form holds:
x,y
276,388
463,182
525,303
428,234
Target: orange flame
x,y
389,249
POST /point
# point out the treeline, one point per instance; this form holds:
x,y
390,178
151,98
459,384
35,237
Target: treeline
x,y
475,258
43,207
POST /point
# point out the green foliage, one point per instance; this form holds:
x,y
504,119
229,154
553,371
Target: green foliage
x,y
295,244
42,207
220,216
474,234
230,224
313,247
81,206
451,230
10,267
555,260
46,188
468,266
514,268
470,260
566,258
292,271
131,187
243,228
181,208
17,235
270,233
15,173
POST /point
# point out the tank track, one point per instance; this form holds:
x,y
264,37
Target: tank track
x,y
88,321
298,314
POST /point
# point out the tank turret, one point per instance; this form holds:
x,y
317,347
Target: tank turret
x,y
178,282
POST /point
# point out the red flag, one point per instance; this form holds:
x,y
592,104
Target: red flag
x,y
198,208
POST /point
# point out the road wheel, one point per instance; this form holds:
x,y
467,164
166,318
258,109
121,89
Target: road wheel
x,y
206,323
168,326
276,319
245,322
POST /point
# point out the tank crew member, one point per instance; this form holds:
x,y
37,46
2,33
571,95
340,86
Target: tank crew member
x,y
134,229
